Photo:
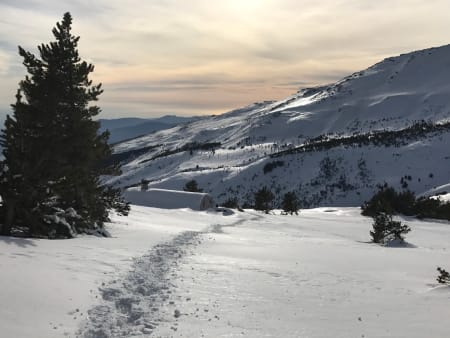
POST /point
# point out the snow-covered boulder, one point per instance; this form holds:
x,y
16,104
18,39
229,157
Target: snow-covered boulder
x,y
169,199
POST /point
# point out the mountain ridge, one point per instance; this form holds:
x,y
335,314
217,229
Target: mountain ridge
x,y
122,129
393,95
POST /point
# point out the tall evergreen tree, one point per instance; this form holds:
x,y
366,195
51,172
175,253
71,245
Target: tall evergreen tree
x,y
50,178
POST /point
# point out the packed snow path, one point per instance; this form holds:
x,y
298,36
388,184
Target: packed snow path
x,y
131,305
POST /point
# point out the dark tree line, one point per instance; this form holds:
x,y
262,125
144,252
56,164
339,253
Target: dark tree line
x,y
385,138
264,201
54,156
388,200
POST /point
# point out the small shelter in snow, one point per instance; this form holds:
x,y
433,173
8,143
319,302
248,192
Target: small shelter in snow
x,y
169,199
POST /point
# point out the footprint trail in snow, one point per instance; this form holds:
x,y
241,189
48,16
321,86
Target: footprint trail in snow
x,y
130,305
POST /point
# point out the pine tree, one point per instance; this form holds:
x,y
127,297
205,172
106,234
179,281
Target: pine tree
x,y
385,229
50,178
290,203
263,199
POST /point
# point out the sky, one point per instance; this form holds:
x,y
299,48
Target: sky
x,y
158,57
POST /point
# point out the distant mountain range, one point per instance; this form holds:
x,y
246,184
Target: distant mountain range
x,y
128,128
330,144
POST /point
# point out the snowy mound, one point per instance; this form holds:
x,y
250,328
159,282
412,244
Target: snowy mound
x,y
169,199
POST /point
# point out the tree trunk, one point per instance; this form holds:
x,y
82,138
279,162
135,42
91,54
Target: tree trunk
x,y
9,218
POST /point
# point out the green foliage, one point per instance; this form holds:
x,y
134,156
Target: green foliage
x,y
444,276
290,203
432,208
386,230
263,199
388,200
328,168
268,167
50,180
231,203
386,138
192,186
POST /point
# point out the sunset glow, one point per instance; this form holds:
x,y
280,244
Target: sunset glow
x,y
201,57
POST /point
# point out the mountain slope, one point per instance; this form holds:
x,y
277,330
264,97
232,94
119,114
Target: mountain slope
x,y
128,128
228,154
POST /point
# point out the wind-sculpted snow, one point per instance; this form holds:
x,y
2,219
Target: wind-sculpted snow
x,y
130,306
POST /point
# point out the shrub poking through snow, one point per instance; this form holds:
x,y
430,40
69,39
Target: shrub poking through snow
x,y
263,199
231,203
386,230
290,203
192,186
272,165
388,200
444,276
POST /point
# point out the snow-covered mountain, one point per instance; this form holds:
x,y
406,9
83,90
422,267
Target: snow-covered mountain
x,y
127,128
331,144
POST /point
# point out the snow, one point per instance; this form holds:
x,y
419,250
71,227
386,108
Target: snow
x,y
169,199
44,282
181,273
391,95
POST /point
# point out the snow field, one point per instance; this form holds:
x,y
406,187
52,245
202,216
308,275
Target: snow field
x,y
47,287
312,275
179,273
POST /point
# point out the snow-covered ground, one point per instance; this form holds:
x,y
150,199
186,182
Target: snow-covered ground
x,y
181,273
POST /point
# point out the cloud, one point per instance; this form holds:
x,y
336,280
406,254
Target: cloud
x,y
177,54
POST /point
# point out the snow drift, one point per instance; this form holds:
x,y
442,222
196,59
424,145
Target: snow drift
x,y
169,199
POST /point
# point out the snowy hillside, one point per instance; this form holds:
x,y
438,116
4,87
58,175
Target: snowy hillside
x,y
127,128
181,273
331,144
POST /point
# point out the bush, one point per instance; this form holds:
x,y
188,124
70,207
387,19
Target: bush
x,y
432,208
192,186
248,205
231,203
444,277
272,165
386,230
263,199
380,202
387,200
290,203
